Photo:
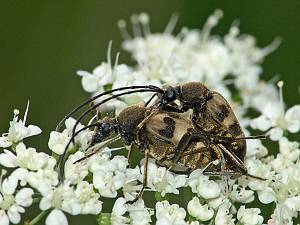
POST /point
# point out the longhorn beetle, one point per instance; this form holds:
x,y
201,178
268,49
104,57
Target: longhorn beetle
x,y
211,114
162,135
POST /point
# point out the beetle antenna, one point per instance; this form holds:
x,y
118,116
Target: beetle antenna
x,y
98,147
110,98
60,164
255,177
249,137
150,87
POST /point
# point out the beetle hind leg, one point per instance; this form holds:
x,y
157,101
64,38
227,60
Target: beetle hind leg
x,y
140,194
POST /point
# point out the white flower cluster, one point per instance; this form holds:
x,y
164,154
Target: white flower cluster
x,y
230,65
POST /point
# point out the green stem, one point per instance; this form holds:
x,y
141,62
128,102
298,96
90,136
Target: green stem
x,y
36,200
37,218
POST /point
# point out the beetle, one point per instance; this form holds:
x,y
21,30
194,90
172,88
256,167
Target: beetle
x,y
164,135
211,113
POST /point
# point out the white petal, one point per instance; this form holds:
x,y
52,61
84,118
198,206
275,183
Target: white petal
x,y
9,185
200,212
46,203
3,218
272,110
292,116
21,175
90,83
4,143
14,213
8,159
56,217
209,189
275,133
24,197
293,113
101,70
58,141
33,130
119,207
266,196
293,126
261,123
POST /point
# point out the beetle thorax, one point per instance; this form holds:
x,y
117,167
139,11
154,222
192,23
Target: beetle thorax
x,y
193,92
130,117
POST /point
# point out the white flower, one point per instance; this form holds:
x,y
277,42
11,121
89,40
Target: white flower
x,y
240,194
75,172
43,180
11,206
267,195
216,202
259,94
18,131
249,216
286,211
118,211
56,217
274,117
26,158
58,141
201,185
167,214
86,198
137,212
109,175
139,215
256,148
199,211
75,200
162,180
223,217
288,149
101,76
132,185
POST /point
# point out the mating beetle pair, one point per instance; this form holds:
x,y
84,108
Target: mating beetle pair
x,y
161,130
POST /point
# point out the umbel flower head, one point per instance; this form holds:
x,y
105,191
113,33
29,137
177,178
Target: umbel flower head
x,y
230,65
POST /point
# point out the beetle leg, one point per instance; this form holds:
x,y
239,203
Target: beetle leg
x,y
184,142
188,137
129,154
141,124
236,160
182,145
144,178
239,163
150,99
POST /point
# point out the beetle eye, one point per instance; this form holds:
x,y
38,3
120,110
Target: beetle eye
x,y
105,127
170,94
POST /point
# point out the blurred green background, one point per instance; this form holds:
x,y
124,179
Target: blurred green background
x,y
43,43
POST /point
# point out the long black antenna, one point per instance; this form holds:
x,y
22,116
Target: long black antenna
x,y
108,99
62,157
150,87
